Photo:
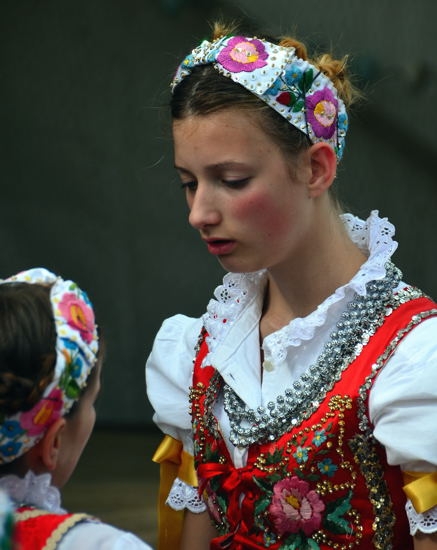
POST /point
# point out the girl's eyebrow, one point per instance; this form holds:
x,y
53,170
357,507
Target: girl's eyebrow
x,y
216,165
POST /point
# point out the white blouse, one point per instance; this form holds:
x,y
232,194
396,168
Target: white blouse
x,y
403,399
36,490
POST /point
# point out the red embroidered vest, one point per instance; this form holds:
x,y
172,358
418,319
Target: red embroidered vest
x,y
323,484
36,529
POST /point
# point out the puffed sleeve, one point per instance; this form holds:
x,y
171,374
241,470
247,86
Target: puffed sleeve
x,y
403,401
169,371
403,409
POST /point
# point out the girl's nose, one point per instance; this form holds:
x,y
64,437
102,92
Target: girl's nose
x,y
203,208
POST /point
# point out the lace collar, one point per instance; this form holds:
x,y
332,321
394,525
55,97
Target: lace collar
x,y
33,490
241,292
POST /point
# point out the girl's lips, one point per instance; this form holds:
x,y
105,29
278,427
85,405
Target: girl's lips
x,y
219,247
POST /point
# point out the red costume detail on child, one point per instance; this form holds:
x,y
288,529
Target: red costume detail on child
x,y
36,529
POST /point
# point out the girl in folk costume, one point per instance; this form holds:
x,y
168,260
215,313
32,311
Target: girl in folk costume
x,y
49,380
307,392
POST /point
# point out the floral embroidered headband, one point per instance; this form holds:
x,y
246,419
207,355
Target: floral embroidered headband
x,y
76,355
291,86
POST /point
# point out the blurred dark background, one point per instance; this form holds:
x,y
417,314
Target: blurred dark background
x,y
88,189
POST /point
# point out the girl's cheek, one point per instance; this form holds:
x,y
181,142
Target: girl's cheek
x,y
260,210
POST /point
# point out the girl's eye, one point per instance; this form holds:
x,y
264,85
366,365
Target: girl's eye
x,y
190,185
236,184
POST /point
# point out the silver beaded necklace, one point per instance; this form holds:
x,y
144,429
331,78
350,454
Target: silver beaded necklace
x,y
357,323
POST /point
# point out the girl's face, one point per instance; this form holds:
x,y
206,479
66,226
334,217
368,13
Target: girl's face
x,y
249,202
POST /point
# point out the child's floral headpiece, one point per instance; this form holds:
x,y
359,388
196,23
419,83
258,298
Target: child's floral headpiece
x,y
291,86
76,354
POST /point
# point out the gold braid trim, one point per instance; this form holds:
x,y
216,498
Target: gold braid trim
x,y
60,531
63,528
29,514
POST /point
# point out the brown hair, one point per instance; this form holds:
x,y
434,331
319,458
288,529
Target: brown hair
x,y
205,91
27,345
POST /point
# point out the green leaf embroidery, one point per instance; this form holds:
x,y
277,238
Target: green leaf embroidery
x,y
334,520
72,390
298,106
264,485
307,80
274,458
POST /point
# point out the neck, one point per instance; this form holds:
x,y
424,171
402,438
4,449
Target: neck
x,y
327,260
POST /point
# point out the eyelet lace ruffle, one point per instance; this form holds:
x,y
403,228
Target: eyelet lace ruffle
x,y
425,523
183,496
373,236
33,490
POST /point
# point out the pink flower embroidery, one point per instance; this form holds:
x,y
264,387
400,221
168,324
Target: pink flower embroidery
x,y
43,414
294,507
78,315
243,54
322,110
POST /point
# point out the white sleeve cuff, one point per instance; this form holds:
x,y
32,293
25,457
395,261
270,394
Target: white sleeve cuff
x,y
183,496
425,523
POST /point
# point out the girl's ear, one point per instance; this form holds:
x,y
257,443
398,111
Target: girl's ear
x,y
45,453
323,161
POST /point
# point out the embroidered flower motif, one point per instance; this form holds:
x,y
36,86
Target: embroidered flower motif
x,y
295,507
319,437
72,371
72,358
78,315
10,448
11,428
322,110
44,413
342,122
327,467
301,455
243,54
285,98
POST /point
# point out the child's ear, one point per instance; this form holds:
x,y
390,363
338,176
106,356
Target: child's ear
x,y
323,168
46,451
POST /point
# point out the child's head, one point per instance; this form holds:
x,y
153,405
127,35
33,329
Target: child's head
x,y
48,374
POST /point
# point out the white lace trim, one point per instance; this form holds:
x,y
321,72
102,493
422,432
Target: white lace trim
x,y
425,523
373,236
33,490
185,496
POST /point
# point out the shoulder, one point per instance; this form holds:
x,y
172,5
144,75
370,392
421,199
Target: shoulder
x,y
169,373
174,349
178,330
100,535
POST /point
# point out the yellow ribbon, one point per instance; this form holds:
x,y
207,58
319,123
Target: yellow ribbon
x,y
174,462
421,489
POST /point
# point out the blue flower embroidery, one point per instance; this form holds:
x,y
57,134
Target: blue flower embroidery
x,y
327,467
11,428
11,448
319,437
301,455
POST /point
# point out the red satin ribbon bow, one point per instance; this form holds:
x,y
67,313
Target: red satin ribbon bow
x,y
238,484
